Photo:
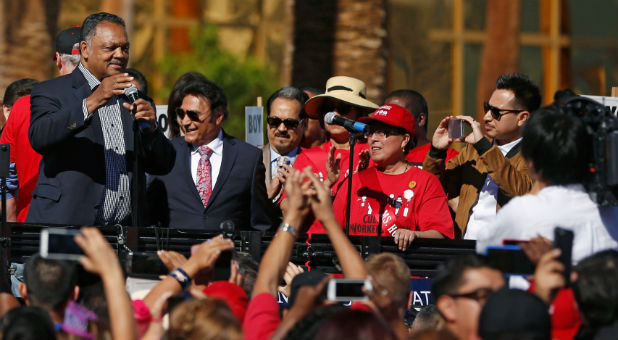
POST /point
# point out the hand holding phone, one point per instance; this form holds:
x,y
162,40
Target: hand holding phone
x,y
456,128
59,244
347,289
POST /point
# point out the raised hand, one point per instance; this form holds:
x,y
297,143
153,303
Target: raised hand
x,y
440,139
110,86
333,167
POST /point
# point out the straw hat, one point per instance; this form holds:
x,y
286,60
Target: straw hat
x,y
346,89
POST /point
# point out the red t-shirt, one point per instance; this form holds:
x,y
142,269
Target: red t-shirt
x,y
262,317
26,160
316,158
417,155
413,200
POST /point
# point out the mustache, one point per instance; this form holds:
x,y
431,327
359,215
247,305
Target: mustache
x,y
282,134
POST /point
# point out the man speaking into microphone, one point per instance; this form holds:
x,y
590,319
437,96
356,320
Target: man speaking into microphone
x,y
82,125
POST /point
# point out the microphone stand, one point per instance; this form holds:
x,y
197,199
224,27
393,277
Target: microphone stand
x,y
137,183
350,173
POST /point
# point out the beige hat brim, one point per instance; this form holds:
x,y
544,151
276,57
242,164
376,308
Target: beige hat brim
x,y
312,106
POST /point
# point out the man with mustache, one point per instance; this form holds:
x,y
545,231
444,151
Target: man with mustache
x,y
286,121
84,127
490,170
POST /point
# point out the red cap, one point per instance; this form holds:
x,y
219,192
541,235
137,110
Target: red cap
x,y
232,294
394,115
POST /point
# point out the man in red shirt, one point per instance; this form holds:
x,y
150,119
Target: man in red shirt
x,y
25,159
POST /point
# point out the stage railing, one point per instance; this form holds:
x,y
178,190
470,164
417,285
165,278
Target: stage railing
x,y
423,256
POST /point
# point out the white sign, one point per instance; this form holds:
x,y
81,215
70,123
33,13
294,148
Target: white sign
x,y
162,119
610,102
254,133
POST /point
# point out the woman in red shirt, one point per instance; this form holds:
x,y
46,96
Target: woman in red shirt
x,y
394,198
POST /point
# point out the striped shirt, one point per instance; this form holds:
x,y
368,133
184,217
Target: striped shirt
x,y
116,201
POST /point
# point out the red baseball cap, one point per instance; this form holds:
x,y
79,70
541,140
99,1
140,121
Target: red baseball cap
x,y
394,115
232,294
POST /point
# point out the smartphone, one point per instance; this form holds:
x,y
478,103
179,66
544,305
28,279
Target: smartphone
x,y
59,244
563,240
510,259
339,289
223,266
455,128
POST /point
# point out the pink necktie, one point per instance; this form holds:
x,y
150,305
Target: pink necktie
x,y
204,179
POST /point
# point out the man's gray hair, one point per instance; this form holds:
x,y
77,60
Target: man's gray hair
x,y
70,59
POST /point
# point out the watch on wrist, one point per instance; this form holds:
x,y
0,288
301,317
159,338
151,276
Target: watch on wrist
x,y
288,228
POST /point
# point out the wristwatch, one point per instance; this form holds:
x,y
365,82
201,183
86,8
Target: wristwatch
x,y
287,227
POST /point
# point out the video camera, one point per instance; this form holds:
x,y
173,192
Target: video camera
x,y
602,126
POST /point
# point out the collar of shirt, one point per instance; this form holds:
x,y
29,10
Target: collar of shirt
x,y
505,148
216,145
90,78
274,155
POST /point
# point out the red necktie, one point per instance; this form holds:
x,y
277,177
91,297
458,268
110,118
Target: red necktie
x,y
204,179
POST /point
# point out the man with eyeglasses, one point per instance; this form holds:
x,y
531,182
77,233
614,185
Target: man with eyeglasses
x,y
286,125
490,170
460,289
216,177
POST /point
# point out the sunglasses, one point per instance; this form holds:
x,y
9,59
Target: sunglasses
x,y
193,115
341,108
383,132
479,295
289,123
495,111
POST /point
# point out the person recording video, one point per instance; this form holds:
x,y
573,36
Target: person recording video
x,y
558,149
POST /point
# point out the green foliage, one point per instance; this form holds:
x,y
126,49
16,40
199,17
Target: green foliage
x,y
243,80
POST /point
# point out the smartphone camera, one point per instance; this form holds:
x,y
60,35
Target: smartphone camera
x,y
347,289
59,244
455,128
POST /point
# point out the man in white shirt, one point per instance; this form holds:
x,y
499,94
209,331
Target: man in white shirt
x,y
558,150
216,177
286,122
489,171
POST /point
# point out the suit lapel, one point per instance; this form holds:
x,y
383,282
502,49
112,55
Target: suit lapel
x,y
230,153
266,158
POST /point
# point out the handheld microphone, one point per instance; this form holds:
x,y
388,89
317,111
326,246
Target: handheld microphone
x,y
350,125
132,96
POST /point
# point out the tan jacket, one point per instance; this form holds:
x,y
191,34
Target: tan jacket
x,y
464,176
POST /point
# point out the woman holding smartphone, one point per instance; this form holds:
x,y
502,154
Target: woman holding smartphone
x,y
394,198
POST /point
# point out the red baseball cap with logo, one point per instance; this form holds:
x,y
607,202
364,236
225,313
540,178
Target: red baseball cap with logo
x,y
394,115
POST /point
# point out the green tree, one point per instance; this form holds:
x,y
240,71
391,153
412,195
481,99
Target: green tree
x,y
243,80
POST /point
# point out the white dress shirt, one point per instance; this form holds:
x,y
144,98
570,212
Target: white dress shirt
x,y
484,211
216,145
569,207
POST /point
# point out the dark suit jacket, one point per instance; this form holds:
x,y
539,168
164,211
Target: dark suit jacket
x,y
71,180
239,193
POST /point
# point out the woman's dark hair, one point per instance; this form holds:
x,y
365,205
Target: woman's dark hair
x,y
558,146
306,328
596,288
353,324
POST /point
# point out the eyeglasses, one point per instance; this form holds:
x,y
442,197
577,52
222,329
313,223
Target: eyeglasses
x,y
193,115
383,132
289,123
341,108
495,111
479,295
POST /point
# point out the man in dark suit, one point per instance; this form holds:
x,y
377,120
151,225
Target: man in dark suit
x,y
84,129
286,121
216,177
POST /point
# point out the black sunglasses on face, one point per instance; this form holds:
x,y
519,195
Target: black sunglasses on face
x,y
479,295
193,115
495,111
341,108
289,123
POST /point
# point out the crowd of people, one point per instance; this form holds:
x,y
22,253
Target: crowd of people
x,y
86,151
